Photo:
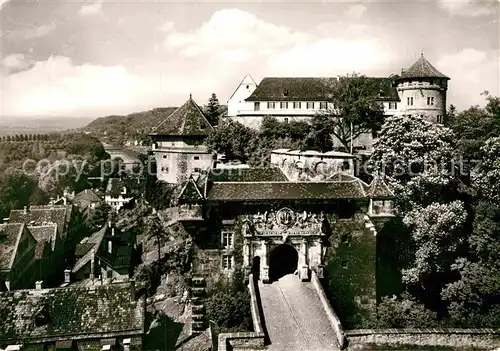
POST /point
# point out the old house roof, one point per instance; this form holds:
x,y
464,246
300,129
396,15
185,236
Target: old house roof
x,y
86,197
115,186
43,234
257,174
44,215
422,69
191,191
313,89
70,314
88,247
10,234
379,189
241,191
122,248
187,120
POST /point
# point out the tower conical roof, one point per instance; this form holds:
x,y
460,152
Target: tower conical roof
x,y
422,69
188,119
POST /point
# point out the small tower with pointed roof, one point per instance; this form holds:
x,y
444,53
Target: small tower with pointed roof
x,y
178,144
422,90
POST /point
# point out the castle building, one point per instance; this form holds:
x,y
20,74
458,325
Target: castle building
x,y
420,90
178,144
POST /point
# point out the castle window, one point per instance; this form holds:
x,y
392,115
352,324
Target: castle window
x,y
439,119
297,104
164,156
227,262
285,119
393,105
227,240
196,157
197,170
271,105
256,106
430,100
248,86
322,105
409,101
284,104
165,169
310,105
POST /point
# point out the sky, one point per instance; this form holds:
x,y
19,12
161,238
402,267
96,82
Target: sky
x,y
95,58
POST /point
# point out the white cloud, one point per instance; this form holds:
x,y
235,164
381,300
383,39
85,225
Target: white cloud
x,y
166,27
469,8
471,71
356,11
234,35
3,3
32,32
331,57
91,9
15,62
57,87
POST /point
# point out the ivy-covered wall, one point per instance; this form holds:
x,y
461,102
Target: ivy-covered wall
x,y
351,271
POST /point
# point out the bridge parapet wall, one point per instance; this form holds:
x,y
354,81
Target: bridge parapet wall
x,y
246,340
332,316
467,338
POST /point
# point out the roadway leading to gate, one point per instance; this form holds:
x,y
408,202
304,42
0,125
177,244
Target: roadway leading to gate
x,y
294,317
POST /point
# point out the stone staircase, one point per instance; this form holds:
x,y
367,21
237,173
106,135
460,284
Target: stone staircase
x,y
198,284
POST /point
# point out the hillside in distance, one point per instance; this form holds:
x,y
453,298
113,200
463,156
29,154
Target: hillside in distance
x,y
118,130
39,125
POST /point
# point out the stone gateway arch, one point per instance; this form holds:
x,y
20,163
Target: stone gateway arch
x,y
285,241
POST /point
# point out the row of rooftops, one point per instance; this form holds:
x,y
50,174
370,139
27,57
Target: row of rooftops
x,y
50,315
263,184
44,223
190,121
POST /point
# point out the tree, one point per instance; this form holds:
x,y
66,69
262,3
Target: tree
x,y
486,176
404,312
154,230
230,310
231,138
16,191
213,110
417,159
356,109
320,135
99,216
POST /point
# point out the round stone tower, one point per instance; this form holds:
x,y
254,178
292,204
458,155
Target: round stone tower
x,y
422,90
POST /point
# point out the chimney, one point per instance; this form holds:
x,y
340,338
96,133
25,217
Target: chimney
x,y
6,220
85,191
25,209
126,344
113,231
67,276
110,247
132,289
38,284
92,265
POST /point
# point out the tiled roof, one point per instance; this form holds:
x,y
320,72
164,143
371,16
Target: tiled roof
x,y
85,197
240,191
312,89
186,120
422,69
191,191
42,215
116,185
71,313
95,241
44,234
378,188
258,174
9,235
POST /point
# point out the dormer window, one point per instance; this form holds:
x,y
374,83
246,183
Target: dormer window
x,y
381,93
285,93
124,190
42,317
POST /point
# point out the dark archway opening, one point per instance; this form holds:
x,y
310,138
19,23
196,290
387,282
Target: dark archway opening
x,y
283,260
256,267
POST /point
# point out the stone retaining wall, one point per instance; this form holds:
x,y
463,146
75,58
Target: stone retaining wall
x,y
332,316
487,339
246,340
